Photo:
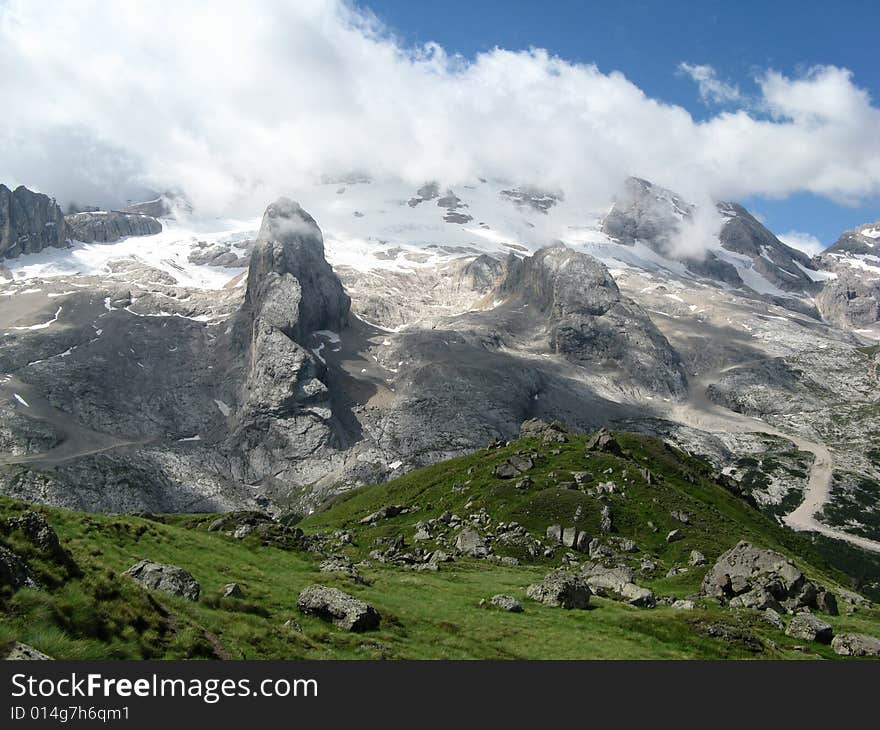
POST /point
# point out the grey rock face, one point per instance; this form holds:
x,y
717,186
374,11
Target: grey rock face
x,y
548,433
856,645
506,603
780,264
290,248
285,409
14,571
590,323
29,222
750,577
472,543
232,590
852,300
341,609
654,216
808,627
166,578
110,226
561,590
646,212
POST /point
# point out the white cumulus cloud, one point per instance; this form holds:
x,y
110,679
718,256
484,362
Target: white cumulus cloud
x,y
712,89
236,103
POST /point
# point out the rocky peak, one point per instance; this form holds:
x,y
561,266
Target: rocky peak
x,y
780,264
29,222
108,226
652,215
645,212
861,241
290,284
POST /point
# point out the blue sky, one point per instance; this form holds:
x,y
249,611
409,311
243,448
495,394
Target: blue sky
x,y
648,40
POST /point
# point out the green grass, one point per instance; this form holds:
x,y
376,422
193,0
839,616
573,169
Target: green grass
x,y
99,613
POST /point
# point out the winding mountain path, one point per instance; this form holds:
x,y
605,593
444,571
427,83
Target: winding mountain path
x,y
701,413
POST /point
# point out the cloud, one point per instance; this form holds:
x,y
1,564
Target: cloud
x,y
712,89
238,103
805,242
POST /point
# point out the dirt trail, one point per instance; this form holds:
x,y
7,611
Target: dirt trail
x,y
77,440
701,413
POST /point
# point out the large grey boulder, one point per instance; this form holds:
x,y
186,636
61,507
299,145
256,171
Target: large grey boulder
x,y
506,603
166,578
14,571
561,590
341,609
617,583
472,543
29,222
751,577
808,627
108,226
856,645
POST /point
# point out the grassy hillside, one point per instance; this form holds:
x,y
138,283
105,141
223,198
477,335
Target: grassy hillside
x,y
92,611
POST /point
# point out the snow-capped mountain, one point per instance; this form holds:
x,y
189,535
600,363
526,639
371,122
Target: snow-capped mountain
x,y
223,363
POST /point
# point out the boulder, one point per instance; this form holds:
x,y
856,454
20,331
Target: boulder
x,y
472,543
606,520
856,645
683,605
763,577
341,609
506,470
232,590
391,510
166,578
506,603
617,583
547,433
22,652
826,602
561,590
808,627
696,558
674,536
603,441
14,571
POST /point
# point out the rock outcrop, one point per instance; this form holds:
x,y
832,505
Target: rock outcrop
x,y
856,645
341,609
617,583
561,590
19,652
108,226
808,627
29,222
748,577
284,409
589,322
166,578
14,571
